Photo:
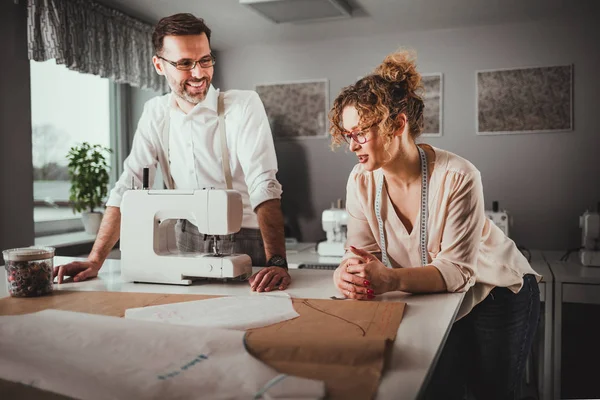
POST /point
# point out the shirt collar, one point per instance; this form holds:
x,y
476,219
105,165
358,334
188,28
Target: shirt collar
x,y
210,101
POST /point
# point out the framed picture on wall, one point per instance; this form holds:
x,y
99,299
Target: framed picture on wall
x,y
525,100
433,99
296,109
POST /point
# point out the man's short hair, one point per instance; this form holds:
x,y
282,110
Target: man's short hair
x,y
178,25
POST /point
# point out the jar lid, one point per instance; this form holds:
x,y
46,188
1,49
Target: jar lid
x,y
32,253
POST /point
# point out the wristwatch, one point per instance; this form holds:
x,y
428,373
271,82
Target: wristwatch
x,y
277,261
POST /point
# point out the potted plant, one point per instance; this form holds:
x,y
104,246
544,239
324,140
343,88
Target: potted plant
x,y
88,170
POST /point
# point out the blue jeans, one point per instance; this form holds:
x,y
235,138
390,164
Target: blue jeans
x,y
486,350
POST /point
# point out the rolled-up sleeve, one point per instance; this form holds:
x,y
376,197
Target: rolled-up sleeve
x,y
359,232
256,153
461,238
143,154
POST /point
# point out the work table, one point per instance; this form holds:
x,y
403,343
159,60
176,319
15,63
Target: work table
x,y
420,337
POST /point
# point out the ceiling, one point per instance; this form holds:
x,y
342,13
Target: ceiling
x,y
234,25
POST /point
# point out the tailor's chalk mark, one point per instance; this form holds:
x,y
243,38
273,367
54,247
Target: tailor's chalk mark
x,y
184,367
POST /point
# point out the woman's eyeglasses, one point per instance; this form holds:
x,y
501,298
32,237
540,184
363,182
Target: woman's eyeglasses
x,y
359,137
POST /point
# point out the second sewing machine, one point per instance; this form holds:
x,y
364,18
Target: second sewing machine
x,y
335,225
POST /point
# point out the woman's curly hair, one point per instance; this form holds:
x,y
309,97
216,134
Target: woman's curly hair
x,y
393,88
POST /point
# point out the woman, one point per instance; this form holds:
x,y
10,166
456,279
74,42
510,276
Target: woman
x,y
417,225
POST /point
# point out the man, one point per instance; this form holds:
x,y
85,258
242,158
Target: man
x,y
193,159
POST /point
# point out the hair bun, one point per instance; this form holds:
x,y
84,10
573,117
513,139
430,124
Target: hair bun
x,y
400,68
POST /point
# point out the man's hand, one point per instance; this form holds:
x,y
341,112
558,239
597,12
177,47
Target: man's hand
x,y
352,286
381,278
78,270
107,236
270,278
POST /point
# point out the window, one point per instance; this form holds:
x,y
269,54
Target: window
x,y
67,108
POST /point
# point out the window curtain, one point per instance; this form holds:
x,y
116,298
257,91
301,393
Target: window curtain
x,y
91,38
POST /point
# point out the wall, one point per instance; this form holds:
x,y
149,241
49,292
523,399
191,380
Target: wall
x,y
544,180
16,170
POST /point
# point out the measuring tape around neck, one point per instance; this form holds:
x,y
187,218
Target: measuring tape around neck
x,y
424,214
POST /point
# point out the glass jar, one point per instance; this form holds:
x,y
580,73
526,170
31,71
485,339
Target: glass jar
x,y
29,270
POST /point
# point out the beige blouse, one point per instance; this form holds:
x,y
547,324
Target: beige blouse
x,y
471,252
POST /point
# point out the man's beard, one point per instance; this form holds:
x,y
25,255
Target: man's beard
x,y
192,98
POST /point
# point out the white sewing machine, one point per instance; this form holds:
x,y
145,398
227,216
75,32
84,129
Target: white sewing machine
x,y
500,218
148,248
335,225
589,223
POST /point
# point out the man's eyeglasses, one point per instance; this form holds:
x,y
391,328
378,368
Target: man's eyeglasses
x,y
187,65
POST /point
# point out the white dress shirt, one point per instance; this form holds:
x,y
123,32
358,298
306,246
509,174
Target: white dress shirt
x,y
194,159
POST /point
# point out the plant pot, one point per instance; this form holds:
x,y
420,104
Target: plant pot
x,y
91,221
